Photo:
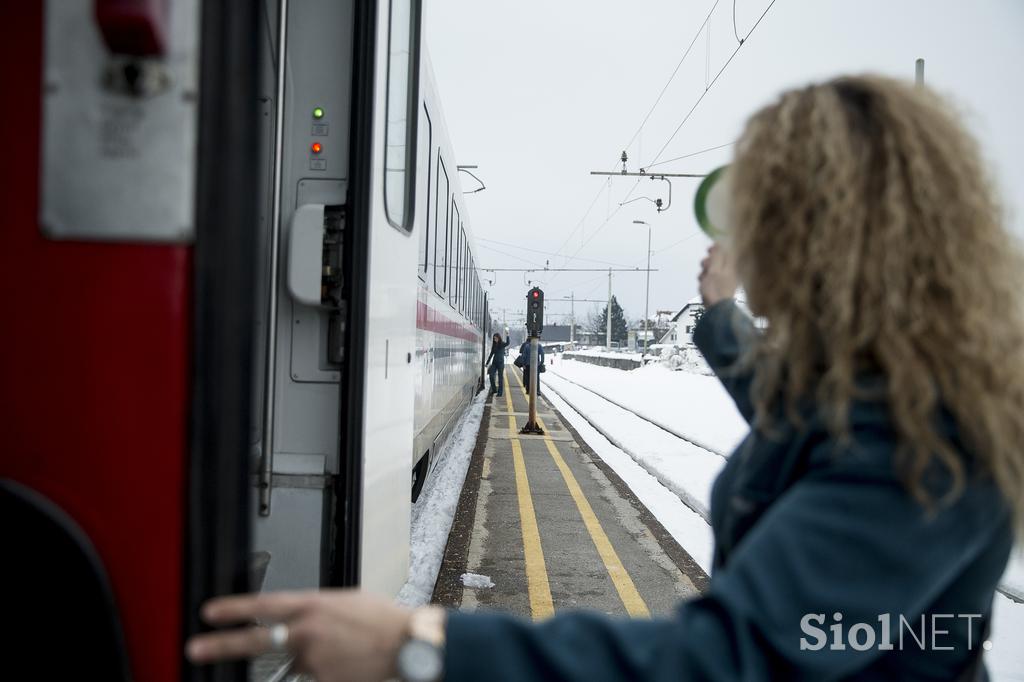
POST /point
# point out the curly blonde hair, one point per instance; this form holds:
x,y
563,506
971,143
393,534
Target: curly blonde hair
x,y
870,238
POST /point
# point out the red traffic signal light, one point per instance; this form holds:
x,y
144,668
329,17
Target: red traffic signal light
x,y
535,311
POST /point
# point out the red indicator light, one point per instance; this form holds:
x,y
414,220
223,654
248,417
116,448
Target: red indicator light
x,y
316,148
536,294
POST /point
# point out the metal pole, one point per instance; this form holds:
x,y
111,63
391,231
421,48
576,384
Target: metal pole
x,y
647,296
531,422
919,73
534,359
572,317
608,315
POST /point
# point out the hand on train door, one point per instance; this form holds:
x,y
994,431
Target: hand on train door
x,y
335,635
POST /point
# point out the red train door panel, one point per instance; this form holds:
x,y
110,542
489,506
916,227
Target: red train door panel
x,y
109,406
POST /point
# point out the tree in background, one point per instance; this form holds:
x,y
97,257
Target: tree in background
x,y
599,323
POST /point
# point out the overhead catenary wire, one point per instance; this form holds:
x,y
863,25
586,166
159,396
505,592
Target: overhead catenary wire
x,y
543,253
671,77
509,255
681,123
655,160
636,133
708,88
691,154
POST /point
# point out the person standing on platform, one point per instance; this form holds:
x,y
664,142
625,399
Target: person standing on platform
x,y
882,478
496,363
524,363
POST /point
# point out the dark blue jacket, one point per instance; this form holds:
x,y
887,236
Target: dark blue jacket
x,y
496,358
802,526
524,351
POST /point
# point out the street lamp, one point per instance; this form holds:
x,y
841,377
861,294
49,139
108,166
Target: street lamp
x,y
647,296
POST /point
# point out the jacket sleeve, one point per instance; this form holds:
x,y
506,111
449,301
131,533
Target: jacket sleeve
x,y
837,541
722,335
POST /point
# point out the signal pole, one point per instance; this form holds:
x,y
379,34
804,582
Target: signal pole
x,y
608,311
647,297
572,317
534,326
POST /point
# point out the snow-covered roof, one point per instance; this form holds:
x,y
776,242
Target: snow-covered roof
x,y
695,301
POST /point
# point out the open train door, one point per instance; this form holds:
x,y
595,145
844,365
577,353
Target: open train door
x,y
377,434
127,257
333,430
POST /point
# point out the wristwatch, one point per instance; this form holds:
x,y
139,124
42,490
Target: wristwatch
x,y
421,656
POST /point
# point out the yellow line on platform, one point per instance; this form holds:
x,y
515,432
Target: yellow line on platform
x,y
630,596
537,585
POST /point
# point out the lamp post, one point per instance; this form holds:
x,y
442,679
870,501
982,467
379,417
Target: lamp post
x,y
647,296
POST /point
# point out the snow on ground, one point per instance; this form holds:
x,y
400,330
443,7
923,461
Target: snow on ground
x,y
434,511
693,404
1013,579
602,353
685,469
1005,660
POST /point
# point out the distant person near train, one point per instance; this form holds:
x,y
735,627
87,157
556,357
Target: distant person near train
x,y
523,362
496,364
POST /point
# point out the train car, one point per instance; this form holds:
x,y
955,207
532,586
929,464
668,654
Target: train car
x,y
246,313
451,316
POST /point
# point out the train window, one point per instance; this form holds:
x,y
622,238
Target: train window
x,y
465,270
401,112
440,245
449,270
457,262
460,295
425,232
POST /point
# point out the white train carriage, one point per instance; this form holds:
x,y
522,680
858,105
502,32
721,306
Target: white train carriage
x,y
451,311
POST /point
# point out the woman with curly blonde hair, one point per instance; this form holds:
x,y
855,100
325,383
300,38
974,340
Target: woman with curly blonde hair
x,y
862,526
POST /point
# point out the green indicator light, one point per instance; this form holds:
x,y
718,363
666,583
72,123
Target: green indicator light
x,y
318,113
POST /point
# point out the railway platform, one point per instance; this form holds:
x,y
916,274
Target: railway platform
x,y
543,525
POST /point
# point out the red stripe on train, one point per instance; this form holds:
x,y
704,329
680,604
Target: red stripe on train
x,y
432,320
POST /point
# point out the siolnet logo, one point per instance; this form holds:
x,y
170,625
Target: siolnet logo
x,y
929,632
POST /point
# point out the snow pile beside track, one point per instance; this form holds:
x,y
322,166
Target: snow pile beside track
x,y
433,513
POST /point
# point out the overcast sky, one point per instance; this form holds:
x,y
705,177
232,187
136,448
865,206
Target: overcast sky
x,y
538,93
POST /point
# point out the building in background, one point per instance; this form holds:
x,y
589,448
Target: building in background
x,y
681,326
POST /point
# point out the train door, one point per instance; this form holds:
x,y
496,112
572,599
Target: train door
x,y
333,428
129,138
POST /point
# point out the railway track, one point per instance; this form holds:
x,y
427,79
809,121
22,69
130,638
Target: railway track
x,y
712,460
655,422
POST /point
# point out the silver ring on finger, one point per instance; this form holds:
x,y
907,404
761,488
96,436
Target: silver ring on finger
x,y
278,637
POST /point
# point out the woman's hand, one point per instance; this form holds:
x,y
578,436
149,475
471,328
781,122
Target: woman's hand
x,y
334,635
718,280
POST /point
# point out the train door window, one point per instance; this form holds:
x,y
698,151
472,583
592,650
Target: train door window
x,y
462,281
451,251
400,117
465,270
476,299
458,268
462,260
440,241
425,242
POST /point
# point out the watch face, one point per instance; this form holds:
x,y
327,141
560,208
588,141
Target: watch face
x,y
420,661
